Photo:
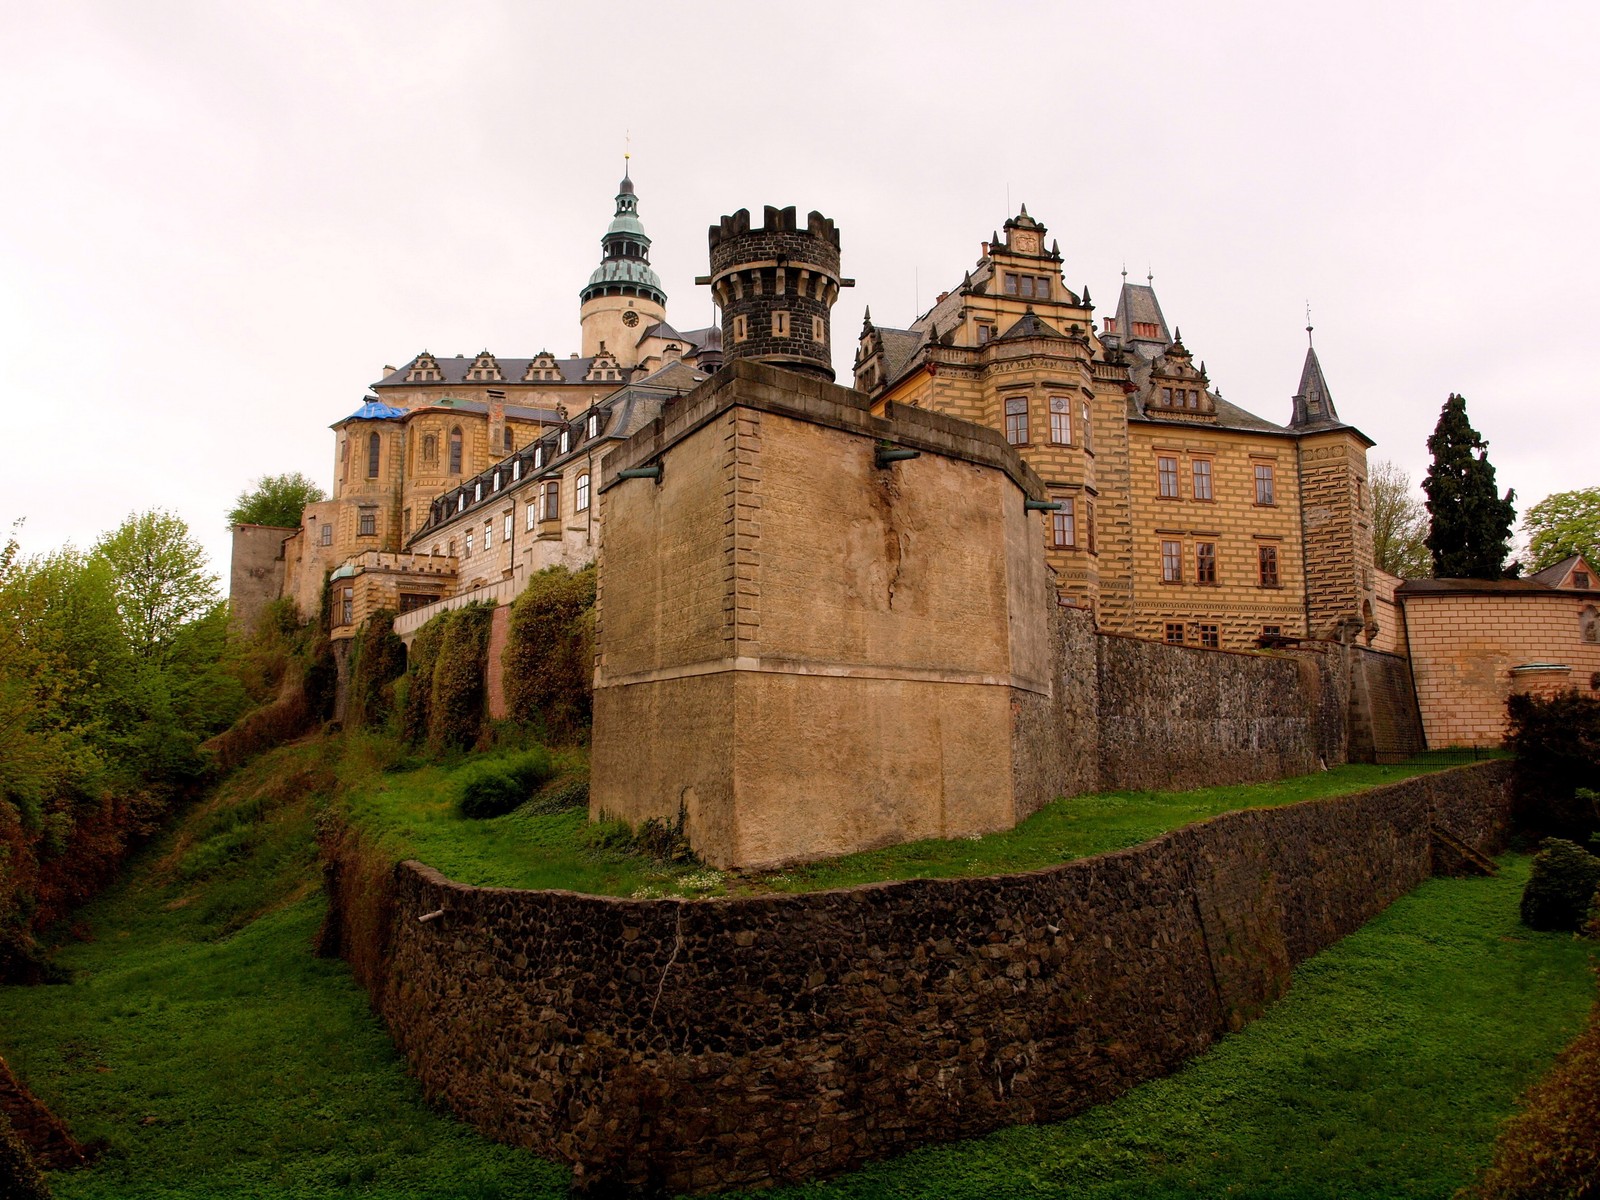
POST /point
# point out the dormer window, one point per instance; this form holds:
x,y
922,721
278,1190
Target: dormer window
x,y
1028,287
485,369
538,456
425,369
461,501
477,491
566,440
593,428
516,470
496,483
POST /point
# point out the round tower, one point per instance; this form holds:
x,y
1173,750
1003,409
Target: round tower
x,y
776,286
623,297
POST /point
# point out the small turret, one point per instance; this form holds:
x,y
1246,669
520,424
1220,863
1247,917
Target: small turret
x,y
776,286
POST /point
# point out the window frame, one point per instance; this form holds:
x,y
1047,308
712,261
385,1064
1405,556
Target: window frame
x,y
1196,475
1063,427
1266,483
1166,476
1267,567
1205,563
1064,524
1171,560
580,493
1016,420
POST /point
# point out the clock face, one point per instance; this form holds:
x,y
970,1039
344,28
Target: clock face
x,y
630,319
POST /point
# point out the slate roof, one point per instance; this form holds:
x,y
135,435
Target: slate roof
x,y
1554,575
1313,402
454,371
900,347
1467,587
1137,302
1030,325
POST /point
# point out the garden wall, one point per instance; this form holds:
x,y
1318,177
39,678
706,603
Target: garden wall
x,y
670,1045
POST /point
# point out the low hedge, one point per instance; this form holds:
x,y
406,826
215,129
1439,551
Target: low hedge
x,y
1561,888
492,787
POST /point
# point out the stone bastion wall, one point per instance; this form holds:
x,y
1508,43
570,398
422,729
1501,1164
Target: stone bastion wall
x,y
667,1045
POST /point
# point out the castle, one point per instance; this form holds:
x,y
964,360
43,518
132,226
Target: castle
x,y
782,558
1179,515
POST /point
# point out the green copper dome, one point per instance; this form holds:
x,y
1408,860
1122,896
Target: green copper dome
x,y
625,255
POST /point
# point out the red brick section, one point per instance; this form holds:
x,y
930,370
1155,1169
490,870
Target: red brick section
x,y
495,675
667,1046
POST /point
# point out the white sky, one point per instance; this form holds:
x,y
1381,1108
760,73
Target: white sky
x,y
218,221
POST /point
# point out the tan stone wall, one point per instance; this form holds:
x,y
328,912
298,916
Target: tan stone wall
x,y
1231,521
1340,583
1464,646
255,573
856,632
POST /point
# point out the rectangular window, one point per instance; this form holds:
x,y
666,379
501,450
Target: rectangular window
x,y
488,534
1209,638
1061,420
468,554
1264,490
367,523
1174,633
1041,287
1272,631
1205,562
533,515
327,534
1171,562
1201,469
1269,565
1084,427
506,529
1166,395
985,333
347,606
1011,283
1166,477
1064,524
1017,420
1580,579
1088,525
552,500
405,523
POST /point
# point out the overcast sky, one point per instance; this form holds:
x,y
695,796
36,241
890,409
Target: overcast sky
x,y
219,221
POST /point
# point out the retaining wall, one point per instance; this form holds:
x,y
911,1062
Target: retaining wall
x,y
670,1045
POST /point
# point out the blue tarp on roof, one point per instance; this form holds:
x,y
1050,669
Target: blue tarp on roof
x,y
375,410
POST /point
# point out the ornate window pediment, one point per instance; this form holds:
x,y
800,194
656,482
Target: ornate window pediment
x,y
485,369
424,369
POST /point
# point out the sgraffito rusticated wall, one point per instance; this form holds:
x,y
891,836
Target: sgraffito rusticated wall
x,y
667,1045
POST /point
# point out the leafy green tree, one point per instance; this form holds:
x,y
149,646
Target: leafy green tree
x,y
275,500
1564,524
1470,529
160,579
1399,523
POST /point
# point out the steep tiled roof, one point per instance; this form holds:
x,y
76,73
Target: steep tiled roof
x,y
1553,576
1313,402
454,371
1029,325
1137,303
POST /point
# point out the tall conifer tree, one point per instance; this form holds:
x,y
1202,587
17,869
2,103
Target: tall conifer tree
x,y
1470,529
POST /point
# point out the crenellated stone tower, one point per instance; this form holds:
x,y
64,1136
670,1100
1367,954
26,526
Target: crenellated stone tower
x,y
776,286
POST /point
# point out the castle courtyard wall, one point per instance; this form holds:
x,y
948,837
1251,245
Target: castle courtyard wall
x,y
688,1046
1466,648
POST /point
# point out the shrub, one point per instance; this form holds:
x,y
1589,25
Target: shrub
x,y
549,654
1552,1147
456,709
378,660
493,787
19,1177
417,708
572,792
1561,886
1557,744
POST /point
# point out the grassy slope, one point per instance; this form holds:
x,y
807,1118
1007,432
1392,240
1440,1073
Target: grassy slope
x,y
217,1057
214,1054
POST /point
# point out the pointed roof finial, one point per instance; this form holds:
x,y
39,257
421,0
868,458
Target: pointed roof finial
x,y
1124,270
1177,335
1150,277
1309,342
1087,303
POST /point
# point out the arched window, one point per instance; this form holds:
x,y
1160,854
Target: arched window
x,y
455,450
430,448
582,502
374,447
509,444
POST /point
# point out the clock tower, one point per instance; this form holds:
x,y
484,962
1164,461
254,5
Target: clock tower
x,y
623,297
